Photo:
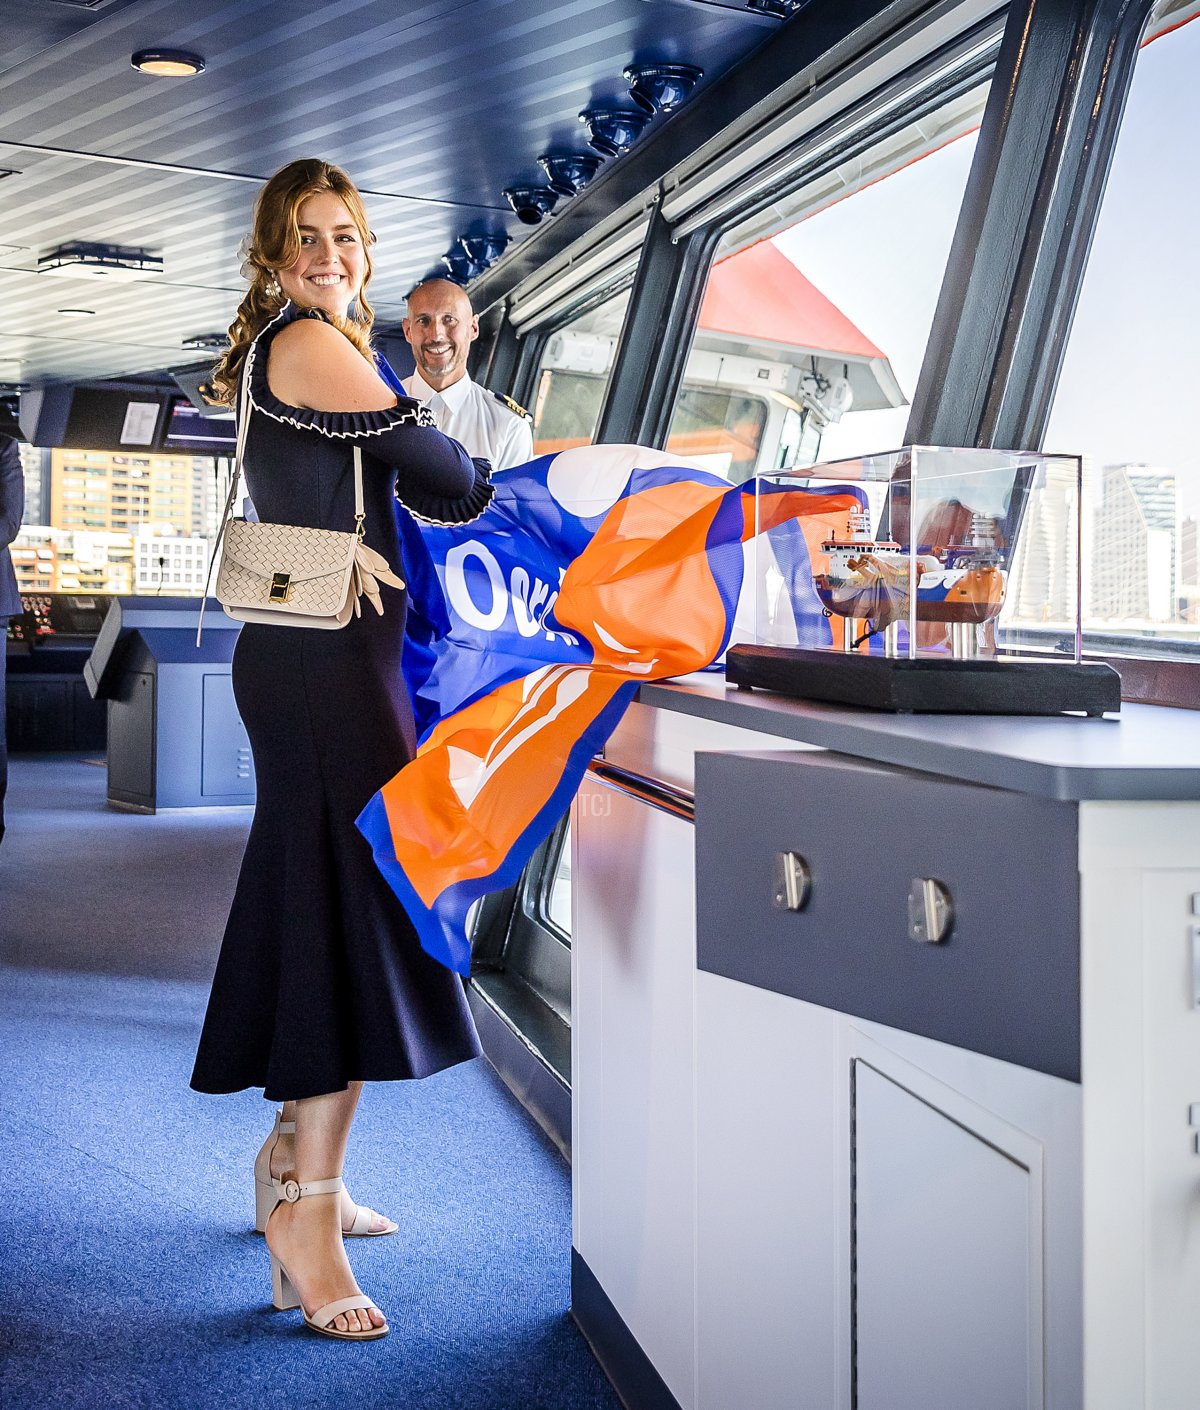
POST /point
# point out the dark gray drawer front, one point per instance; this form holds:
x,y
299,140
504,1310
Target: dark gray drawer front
x,y
1005,982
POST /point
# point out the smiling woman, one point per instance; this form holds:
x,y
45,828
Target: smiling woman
x,y
321,982
310,244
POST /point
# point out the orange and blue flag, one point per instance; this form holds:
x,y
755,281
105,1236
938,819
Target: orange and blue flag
x,y
529,631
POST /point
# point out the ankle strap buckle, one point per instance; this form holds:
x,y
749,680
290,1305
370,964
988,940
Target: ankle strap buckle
x,y
291,1191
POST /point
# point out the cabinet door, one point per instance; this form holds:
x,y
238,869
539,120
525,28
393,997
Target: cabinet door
x,y
947,1265
226,764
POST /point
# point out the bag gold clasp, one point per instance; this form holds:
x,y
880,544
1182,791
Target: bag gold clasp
x,y
281,587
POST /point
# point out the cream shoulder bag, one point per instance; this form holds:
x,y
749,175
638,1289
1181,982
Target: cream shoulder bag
x,y
288,575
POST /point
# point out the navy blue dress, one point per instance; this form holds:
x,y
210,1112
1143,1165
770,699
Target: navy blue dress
x,y
321,980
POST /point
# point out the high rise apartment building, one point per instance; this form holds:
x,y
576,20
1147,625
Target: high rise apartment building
x,y
117,492
35,465
1134,546
1042,577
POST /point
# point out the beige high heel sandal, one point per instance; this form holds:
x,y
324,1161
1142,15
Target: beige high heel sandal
x,y
283,1292
267,1190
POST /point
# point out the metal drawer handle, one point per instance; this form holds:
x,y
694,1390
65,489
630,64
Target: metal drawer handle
x,y
793,881
930,911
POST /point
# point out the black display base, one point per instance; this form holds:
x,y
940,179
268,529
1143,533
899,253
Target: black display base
x,y
930,685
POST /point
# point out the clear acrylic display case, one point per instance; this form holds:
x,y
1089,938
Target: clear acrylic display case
x,y
926,578
991,569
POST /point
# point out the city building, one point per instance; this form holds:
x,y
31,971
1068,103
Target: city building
x,y
1042,578
106,502
171,565
35,463
118,491
1133,546
47,559
34,554
210,480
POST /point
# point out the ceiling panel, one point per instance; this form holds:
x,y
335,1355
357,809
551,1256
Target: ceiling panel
x,y
433,108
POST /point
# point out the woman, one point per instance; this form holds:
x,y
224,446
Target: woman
x,y
321,983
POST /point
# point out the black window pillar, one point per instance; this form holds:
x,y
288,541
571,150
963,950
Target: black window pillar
x,y
656,336
1026,224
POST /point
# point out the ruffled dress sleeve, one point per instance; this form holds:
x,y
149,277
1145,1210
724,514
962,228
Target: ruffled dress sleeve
x,y
436,480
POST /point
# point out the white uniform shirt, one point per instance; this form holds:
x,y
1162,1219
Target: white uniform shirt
x,y
476,419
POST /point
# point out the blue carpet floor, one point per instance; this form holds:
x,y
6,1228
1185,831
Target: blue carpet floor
x,y
128,1275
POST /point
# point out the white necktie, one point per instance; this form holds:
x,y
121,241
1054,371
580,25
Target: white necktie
x,y
439,408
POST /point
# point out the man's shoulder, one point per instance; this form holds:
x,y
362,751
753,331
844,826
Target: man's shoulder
x,y
514,408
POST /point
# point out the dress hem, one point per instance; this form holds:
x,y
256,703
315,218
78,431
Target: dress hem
x,y
273,1093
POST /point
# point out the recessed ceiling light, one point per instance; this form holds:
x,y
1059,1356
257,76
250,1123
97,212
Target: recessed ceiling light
x,y
167,63
78,312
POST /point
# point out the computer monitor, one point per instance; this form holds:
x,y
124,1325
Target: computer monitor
x,y
187,431
111,418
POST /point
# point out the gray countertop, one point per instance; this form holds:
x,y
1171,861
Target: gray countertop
x,y
1148,752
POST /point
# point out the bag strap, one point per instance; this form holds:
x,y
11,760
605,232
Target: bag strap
x,y
242,413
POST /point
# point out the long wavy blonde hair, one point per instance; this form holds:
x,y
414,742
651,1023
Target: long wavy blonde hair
x,y
275,245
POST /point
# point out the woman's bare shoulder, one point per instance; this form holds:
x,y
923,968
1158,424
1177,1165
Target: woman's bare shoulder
x,y
311,364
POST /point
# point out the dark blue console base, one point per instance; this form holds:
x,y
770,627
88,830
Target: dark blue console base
x,y
615,1347
931,685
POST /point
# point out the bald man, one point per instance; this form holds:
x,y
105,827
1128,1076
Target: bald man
x,y
441,326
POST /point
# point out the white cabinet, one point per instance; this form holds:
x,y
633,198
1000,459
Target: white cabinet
x,y
792,1199
631,1070
882,1221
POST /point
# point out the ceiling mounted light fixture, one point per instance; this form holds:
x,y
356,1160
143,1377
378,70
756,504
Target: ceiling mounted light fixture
x,y
569,172
459,266
206,342
483,249
612,130
777,9
77,312
83,259
530,203
661,88
167,63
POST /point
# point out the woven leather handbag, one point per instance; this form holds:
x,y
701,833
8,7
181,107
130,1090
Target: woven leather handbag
x,y
288,575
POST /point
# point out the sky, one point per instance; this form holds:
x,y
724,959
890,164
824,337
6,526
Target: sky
x,y
1128,387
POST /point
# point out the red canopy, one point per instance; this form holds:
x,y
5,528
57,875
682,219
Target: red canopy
x,y
759,294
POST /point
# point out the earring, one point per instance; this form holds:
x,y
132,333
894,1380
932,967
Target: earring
x,y
272,289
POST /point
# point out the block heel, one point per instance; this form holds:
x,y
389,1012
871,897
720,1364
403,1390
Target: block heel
x,y
283,1291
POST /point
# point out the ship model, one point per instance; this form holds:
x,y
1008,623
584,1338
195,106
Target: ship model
x,y
868,580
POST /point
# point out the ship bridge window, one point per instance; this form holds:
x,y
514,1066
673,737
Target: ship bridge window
x,y
573,375
119,493
1125,396
821,301
721,429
